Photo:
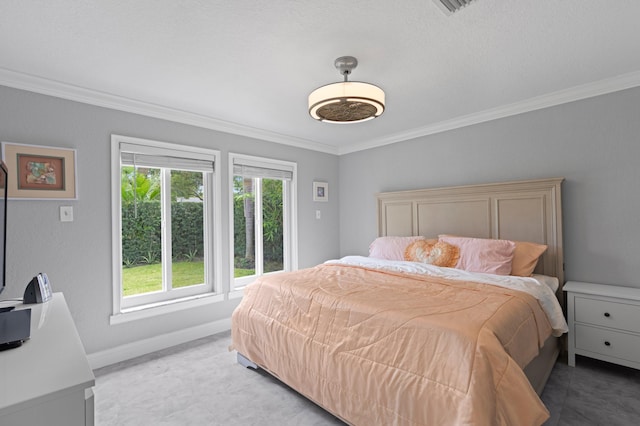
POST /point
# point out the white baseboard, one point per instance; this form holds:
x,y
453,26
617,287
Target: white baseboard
x,y
156,343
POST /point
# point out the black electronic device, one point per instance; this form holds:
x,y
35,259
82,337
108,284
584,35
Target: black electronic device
x,y
15,324
15,328
3,225
38,290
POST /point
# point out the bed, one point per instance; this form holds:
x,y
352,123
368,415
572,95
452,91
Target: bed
x,y
393,342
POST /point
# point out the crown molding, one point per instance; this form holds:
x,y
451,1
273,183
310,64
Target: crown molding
x,y
602,87
79,94
71,92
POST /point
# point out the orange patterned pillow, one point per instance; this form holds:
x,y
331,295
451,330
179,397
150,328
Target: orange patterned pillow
x,y
438,253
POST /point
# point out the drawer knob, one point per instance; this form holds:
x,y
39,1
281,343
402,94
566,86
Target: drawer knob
x,y
607,314
607,343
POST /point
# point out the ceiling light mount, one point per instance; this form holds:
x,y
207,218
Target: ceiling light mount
x,y
347,101
346,64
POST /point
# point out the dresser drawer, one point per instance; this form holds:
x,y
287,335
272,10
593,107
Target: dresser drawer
x,y
608,342
621,316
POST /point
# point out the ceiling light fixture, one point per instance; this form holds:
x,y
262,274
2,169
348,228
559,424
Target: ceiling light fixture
x,y
347,101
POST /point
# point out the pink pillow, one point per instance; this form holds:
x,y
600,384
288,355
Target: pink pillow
x,y
483,254
391,248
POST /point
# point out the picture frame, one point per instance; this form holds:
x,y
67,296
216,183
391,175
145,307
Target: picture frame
x,y
39,172
320,191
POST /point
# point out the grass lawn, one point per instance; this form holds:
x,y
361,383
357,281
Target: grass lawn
x,y
147,278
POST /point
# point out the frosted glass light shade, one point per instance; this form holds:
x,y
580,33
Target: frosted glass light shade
x,y
346,102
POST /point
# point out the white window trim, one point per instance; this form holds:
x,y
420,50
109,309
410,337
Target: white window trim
x,y
291,214
120,314
161,308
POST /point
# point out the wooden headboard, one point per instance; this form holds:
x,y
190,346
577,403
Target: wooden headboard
x,y
522,211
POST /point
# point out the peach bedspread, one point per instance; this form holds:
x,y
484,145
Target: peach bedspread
x,y
384,348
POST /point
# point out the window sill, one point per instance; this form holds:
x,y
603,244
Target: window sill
x,y
161,308
236,294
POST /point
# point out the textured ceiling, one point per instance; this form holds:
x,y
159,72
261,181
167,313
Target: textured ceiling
x,y
248,66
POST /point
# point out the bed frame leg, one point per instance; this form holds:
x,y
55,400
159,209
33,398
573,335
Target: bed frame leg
x,y
246,362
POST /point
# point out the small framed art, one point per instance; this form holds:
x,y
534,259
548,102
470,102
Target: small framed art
x,y
320,191
40,172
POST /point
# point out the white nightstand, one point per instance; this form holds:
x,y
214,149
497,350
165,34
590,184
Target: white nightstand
x,y
604,322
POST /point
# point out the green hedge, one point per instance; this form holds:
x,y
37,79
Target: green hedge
x,y
238,228
272,223
141,233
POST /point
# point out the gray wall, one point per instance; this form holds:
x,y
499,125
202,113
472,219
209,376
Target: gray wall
x,y
77,255
593,143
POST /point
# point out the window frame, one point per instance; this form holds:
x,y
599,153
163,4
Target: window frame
x,y
290,231
211,290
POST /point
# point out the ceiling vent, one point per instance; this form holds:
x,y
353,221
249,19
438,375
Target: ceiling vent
x,y
451,6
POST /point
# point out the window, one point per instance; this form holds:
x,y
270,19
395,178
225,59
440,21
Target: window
x,y
263,210
164,229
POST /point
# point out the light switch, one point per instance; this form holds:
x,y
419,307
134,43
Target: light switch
x,y
318,214
66,213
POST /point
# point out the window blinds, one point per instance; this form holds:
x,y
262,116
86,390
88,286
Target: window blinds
x,y
140,156
255,169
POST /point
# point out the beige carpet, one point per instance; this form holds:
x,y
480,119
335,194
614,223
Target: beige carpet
x,y
200,383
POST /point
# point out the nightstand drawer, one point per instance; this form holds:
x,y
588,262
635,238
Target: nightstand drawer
x,y
608,342
621,316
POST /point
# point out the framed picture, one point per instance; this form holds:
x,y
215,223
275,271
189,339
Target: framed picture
x,y
40,172
320,191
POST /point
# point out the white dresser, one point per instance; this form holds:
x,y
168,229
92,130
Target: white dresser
x,y
47,380
604,322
